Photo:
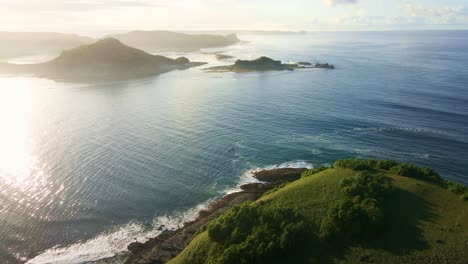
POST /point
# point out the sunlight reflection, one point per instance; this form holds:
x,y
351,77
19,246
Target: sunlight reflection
x,y
18,165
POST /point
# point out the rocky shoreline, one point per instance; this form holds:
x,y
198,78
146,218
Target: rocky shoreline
x,y
170,243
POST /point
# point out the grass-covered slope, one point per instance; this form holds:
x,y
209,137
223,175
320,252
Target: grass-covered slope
x,y
416,220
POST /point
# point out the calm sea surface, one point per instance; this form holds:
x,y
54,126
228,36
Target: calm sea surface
x,y
86,169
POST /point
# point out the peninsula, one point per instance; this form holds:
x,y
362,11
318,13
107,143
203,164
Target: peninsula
x,y
266,64
356,211
105,60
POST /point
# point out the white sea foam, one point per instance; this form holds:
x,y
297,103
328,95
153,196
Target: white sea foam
x,y
115,242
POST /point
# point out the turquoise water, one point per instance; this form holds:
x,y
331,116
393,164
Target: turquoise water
x,y
87,168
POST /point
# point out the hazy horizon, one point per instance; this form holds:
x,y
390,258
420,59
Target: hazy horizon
x,y
105,16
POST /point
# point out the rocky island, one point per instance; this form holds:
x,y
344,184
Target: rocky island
x,y
105,60
266,64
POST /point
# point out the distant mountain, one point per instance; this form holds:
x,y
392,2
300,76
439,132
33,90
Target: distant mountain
x,y
19,44
107,59
249,32
151,41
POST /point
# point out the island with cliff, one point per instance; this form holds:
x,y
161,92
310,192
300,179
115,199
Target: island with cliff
x,y
153,41
105,60
355,211
266,64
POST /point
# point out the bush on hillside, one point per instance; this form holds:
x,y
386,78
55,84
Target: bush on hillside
x,y
313,171
360,164
412,171
402,169
256,233
366,185
353,219
457,189
360,214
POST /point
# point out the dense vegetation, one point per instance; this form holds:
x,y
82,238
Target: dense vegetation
x,y
359,215
404,169
256,233
356,211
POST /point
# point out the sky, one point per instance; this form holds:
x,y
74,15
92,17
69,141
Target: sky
x,y
311,15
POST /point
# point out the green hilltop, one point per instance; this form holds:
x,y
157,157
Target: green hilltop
x,y
357,211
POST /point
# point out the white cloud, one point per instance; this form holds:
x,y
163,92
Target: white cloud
x,y
340,2
437,15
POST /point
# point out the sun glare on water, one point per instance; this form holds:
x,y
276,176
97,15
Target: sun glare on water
x,y
18,165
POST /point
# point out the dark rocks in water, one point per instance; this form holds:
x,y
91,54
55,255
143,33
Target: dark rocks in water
x,y
220,56
135,247
304,63
324,66
260,63
106,60
182,60
279,175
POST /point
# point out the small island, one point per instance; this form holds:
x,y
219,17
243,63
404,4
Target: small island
x,y
266,64
106,60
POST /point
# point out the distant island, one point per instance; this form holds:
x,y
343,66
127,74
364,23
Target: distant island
x,y
151,41
20,44
355,211
105,60
266,64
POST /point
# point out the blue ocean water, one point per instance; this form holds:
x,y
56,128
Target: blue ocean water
x,y
87,168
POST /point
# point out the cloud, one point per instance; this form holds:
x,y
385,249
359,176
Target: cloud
x,y
340,2
419,10
438,15
71,5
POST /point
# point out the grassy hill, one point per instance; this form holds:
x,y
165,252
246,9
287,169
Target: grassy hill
x,y
423,221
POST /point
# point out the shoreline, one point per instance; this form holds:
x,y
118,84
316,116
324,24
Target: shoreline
x,y
170,243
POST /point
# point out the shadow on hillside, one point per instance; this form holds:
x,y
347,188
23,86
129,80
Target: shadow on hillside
x,y
403,212
401,235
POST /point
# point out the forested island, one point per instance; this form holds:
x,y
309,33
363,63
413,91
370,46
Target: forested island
x,y
355,211
267,64
105,60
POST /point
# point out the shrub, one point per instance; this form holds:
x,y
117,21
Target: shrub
x,y
412,171
313,171
256,233
353,219
367,185
464,197
359,215
456,188
360,164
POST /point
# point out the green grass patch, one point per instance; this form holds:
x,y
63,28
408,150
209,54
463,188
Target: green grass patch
x,y
377,215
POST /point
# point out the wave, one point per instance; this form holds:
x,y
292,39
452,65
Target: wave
x,y
113,243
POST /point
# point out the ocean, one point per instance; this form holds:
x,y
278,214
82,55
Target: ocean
x,y
85,169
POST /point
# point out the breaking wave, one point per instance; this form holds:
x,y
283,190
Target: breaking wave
x,y
112,243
